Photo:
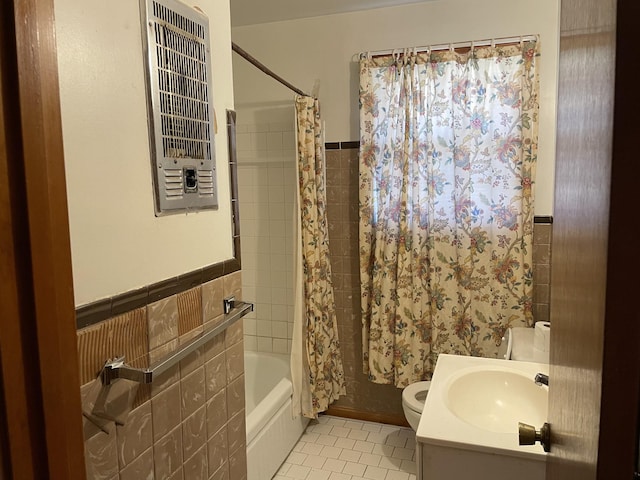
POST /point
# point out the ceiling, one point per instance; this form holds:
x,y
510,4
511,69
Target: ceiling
x,y
250,12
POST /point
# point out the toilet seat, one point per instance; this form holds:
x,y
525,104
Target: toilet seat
x,y
415,394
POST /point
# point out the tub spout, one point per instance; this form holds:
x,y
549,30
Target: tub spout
x,y
541,379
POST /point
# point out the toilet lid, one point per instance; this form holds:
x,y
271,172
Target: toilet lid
x,y
415,394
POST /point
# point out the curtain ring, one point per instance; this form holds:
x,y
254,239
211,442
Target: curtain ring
x,y
521,41
451,49
472,47
396,60
493,43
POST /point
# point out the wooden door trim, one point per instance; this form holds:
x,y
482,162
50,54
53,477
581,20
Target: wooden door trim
x,y
35,209
21,402
4,438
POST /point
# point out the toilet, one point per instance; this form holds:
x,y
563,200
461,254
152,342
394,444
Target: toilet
x,y
517,345
413,398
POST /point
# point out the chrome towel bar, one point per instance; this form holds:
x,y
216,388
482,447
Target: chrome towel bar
x,y
116,368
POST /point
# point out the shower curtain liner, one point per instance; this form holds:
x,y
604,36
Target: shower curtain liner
x,y
316,363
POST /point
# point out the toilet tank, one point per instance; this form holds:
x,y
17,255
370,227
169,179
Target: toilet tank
x,y
519,344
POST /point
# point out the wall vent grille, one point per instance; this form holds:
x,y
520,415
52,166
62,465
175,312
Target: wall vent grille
x,y
182,125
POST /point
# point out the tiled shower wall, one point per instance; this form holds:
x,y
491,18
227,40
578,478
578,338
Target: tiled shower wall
x,y
190,423
267,189
342,215
541,270
342,212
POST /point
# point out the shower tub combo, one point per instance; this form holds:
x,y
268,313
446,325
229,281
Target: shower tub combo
x,y
272,430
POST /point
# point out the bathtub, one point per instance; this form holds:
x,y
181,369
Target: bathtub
x,y
272,431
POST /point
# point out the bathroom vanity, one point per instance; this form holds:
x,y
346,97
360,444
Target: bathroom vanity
x,y
469,426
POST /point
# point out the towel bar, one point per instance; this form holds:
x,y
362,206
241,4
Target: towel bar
x,y
116,368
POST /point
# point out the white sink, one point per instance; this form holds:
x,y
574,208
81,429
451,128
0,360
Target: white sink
x,y
470,420
496,399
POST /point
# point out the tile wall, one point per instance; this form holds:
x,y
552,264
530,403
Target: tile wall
x,y
342,212
267,189
541,270
190,423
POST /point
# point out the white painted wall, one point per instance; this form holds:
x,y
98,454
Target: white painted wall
x,y
325,49
117,242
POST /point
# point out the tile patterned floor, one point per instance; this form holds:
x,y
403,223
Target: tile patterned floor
x,y
334,448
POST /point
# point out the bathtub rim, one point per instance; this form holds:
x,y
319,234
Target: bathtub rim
x,y
269,406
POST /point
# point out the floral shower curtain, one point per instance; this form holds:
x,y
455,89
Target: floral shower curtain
x,y
319,379
447,160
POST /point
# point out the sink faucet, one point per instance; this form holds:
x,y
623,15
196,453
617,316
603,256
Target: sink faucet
x,y
541,379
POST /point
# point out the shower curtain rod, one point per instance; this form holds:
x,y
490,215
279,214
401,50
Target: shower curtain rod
x,y
448,46
261,67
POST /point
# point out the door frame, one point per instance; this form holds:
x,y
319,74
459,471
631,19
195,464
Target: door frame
x,y
38,346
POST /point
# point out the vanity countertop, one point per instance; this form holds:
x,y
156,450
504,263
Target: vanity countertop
x,y
461,412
